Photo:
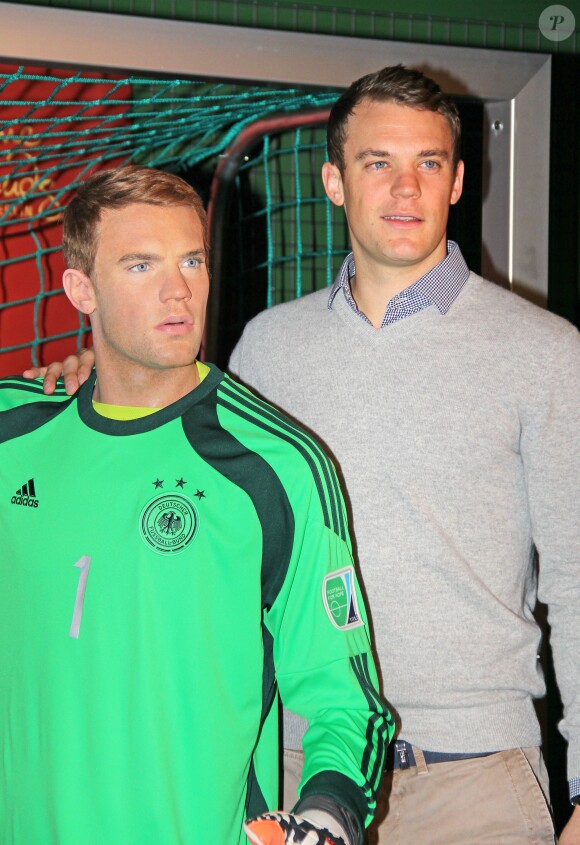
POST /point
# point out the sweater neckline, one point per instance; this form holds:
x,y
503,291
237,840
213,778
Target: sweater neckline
x,y
389,333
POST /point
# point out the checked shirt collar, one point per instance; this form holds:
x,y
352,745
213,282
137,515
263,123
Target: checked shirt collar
x,y
439,287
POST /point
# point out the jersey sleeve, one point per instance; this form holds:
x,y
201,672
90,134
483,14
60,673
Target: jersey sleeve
x,y
326,673
24,406
17,390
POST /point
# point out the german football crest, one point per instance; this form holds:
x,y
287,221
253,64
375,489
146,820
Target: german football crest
x,y
169,523
340,601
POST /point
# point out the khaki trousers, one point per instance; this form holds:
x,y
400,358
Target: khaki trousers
x,y
495,800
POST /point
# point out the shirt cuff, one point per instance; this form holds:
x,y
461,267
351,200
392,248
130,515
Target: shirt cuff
x,y
574,787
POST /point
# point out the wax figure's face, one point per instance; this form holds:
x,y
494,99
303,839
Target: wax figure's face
x,y
397,185
150,286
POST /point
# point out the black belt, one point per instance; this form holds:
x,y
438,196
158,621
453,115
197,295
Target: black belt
x,y
400,756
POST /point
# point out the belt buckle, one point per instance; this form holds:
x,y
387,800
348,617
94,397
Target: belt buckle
x,y
402,754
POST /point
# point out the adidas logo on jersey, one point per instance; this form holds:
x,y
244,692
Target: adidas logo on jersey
x,y
26,496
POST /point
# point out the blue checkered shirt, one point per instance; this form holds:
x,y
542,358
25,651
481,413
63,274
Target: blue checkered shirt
x,y
439,287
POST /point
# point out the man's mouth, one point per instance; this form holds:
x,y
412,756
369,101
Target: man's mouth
x,y
174,320
405,218
176,325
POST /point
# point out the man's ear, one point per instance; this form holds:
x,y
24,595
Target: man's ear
x,y
332,181
457,187
79,289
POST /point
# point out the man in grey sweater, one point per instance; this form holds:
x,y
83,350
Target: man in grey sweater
x,y
452,409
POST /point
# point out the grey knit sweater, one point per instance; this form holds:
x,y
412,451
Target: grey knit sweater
x,y
458,439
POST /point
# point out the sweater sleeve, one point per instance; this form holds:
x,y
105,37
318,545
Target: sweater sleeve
x,y
245,361
235,360
550,448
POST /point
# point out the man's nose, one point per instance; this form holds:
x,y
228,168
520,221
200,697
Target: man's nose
x,y
174,286
406,184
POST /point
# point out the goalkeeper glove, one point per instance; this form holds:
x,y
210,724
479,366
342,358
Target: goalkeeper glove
x,y
288,829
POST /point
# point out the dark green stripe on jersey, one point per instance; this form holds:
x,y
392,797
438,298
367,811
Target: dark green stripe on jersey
x,y
256,477
19,421
256,803
379,727
255,410
33,386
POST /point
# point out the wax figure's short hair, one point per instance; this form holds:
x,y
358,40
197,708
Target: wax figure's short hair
x,y
397,84
115,189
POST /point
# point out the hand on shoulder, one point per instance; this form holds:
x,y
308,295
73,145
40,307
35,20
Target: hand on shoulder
x,y
75,369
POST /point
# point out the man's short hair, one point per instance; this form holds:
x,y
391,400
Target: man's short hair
x,y
115,189
398,84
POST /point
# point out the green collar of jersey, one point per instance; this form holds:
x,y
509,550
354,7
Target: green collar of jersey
x,y
137,426
130,412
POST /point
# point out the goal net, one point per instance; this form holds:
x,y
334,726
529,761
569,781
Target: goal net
x,y
56,126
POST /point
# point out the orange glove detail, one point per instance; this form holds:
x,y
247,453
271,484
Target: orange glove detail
x,y
287,829
263,831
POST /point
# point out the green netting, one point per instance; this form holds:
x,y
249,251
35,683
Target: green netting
x,y
284,238
57,126
302,234
168,124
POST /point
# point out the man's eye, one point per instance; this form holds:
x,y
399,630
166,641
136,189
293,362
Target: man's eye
x,y
140,268
378,165
431,165
191,262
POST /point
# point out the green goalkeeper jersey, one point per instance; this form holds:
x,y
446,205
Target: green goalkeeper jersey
x,y
161,580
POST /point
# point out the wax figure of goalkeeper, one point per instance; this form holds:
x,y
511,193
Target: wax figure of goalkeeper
x,y
175,552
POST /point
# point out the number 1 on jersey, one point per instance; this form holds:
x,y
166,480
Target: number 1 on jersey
x,y
84,564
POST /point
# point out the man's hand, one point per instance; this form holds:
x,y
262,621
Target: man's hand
x,y
571,833
75,369
288,829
